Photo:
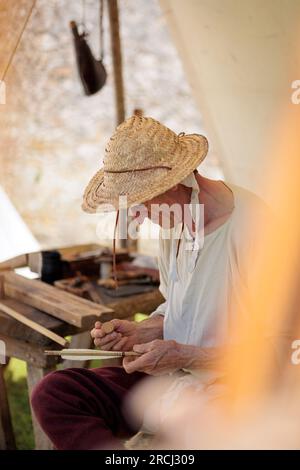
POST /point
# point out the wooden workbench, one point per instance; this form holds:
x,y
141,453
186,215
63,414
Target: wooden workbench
x,y
25,344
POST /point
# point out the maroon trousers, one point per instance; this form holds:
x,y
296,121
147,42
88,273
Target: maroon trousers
x,y
83,408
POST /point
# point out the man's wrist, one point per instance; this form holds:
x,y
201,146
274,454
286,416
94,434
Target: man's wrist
x,y
150,329
187,356
195,357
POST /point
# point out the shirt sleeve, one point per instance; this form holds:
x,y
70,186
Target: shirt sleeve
x,y
163,266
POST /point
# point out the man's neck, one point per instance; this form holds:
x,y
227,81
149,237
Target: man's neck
x,y
218,202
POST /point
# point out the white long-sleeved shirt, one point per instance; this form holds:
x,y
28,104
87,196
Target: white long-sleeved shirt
x,y
203,307
200,306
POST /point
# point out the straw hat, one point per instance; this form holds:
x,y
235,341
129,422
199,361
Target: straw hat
x,y
143,159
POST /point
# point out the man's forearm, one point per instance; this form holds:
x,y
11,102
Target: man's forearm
x,y
194,357
151,329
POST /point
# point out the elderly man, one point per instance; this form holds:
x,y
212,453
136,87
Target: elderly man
x,y
203,274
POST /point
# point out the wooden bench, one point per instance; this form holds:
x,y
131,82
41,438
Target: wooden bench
x,y
23,343
28,345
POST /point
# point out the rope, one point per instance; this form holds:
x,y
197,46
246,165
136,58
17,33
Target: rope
x,y
101,30
83,14
18,41
114,251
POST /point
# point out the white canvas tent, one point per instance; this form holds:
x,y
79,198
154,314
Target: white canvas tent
x,y
241,59
15,237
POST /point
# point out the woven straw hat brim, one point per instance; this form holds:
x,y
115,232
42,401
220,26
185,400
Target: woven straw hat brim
x,y
104,191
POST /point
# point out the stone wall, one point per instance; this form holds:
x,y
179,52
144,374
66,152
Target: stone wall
x,y
52,136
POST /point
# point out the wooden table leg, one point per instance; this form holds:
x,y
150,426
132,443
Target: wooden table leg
x,y
80,341
34,375
7,438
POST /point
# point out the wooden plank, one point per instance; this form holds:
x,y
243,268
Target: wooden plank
x,y
35,375
13,329
29,353
143,303
32,324
66,252
68,307
7,438
13,263
70,253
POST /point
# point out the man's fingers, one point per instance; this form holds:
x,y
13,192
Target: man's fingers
x,y
120,325
96,333
119,345
107,346
143,348
93,333
128,364
108,338
132,365
104,347
98,324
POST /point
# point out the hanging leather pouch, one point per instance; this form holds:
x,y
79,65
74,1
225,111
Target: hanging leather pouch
x,y
91,71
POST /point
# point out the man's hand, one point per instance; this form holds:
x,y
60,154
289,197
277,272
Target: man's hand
x,y
158,357
127,333
122,338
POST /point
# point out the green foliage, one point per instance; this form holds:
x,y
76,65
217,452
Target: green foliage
x,y
15,376
140,317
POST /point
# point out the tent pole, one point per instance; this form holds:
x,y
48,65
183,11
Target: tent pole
x,y
113,11
116,52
